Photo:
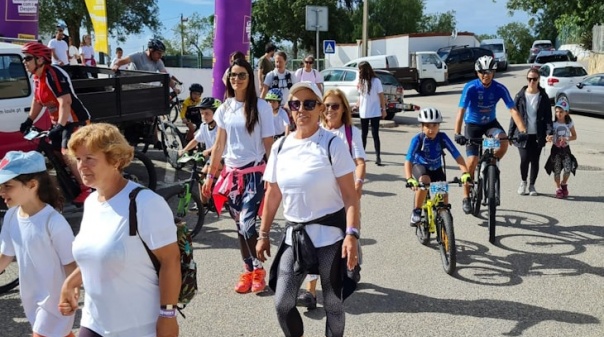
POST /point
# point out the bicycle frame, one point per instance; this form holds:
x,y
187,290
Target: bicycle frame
x,y
430,206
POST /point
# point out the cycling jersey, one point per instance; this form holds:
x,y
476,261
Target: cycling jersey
x,y
427,152
480,102
54,83
186,104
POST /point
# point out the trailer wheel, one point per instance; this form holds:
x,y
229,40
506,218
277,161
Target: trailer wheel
x,y
427,87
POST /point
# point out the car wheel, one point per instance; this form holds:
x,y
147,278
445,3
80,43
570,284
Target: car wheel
x,y
390,115
428,87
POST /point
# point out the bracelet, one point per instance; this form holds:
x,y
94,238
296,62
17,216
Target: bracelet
x,y
169,307
360,181
167,313
210,176
353,231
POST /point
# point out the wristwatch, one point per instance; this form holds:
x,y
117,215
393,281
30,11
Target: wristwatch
x,y
353,231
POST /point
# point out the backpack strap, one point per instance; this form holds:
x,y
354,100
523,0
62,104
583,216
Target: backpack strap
x,y
133,223
328,147
348,129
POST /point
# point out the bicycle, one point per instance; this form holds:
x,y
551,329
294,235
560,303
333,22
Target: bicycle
x,y
436,219
175,102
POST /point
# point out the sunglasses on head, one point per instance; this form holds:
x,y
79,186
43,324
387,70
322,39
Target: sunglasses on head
x,y
239,76
531,79
334,106
28,58
307,104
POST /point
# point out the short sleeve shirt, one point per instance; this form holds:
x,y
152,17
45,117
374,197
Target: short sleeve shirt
x,y
206,136
142,62
480,102
266,65
427,152
280,82
61,47
369,102
561,131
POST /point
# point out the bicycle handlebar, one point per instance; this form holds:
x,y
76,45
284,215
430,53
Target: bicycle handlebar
x,y
175,79
478,141
424,186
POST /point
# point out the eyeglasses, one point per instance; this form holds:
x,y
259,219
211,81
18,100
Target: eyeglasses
x,y
309,62
28,58
486,72
532,79
239,76
307,104
334,106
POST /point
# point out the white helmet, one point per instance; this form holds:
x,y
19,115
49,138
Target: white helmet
x,y
430,115
485,63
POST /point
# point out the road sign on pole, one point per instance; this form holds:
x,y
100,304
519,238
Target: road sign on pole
x,y
317,20
329,46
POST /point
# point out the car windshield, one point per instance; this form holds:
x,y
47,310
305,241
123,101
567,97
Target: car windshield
x,y
552,58
495,48
543,45
443,54
387,79
569,72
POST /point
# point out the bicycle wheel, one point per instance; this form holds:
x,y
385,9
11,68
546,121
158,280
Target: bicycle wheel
x,y
141,170
193,213
174,111
492,201
476,193
422,230
448,253
172,141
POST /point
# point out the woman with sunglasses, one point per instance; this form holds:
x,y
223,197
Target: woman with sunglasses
x,y
311,171
244,137
534,108
372,106
307,73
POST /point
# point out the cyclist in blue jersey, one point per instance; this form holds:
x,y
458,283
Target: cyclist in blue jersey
x,y
477,109
424,163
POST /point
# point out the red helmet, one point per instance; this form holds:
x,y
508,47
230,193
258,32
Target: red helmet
x,y
37,49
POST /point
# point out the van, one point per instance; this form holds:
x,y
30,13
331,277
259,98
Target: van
x,y
376,61
460,60
497,46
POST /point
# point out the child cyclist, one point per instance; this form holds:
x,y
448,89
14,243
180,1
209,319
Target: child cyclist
x,y
561,158
206,134
39,237
423,162
280,116
195,92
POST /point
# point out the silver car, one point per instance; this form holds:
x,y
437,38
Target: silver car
x,y
345,79
585,96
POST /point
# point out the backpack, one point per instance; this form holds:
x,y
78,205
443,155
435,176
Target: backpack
x,y
328,147
348,129
275,83
188,267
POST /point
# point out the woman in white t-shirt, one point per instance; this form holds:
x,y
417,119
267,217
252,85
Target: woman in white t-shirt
x,y
39,237
307,73
74,54
87,51
372,106
125,296
244,138
311,171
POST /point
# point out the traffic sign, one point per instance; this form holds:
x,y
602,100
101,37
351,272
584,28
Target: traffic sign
x,y
329,46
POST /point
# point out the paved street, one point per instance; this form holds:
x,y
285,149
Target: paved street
x,y
542,278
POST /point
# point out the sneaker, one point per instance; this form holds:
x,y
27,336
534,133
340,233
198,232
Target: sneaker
x,y
193,207
559,193
258,280
564,190
306,299
82,196
245,282
522,188
466,205
532,190
416,217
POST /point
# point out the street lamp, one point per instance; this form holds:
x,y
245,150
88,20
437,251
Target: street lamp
x,y
364,37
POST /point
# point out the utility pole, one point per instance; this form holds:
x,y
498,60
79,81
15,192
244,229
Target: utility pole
x,y
365,15
182,33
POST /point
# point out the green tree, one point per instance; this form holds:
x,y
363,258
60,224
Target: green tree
x,y
438,23
518,40
123,17
198,34
481,37
392,17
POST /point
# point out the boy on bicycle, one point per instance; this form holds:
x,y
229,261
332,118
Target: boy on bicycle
x,y
423,162
190,103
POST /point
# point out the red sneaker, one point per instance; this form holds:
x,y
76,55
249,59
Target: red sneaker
x,y
245,282
82,196
258,282
564,190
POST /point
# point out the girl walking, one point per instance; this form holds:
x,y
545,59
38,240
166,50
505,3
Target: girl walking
x,y
561,157
372,106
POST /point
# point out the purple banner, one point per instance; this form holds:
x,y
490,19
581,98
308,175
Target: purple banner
x,y
232,29
19,19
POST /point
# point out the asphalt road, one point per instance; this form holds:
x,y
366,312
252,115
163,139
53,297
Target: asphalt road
x,y
543,277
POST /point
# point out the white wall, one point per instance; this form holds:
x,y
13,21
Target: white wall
x,y
189,76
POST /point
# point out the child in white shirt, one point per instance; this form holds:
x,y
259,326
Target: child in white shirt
x,y
280,117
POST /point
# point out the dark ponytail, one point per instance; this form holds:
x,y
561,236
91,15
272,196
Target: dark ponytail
x,y
48,191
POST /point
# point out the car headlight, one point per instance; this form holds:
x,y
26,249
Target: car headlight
x,y
503,59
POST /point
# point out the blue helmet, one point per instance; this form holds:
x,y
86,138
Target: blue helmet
x,y
274,95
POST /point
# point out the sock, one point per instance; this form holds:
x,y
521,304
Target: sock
x,y
257,264
249,263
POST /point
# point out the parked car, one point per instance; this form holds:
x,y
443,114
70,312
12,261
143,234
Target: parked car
x,y
557,75
585,96
376,61
345,79
538,46
497,46
460,59
547,56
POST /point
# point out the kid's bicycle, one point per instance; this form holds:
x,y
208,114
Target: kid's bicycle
x,y
437,219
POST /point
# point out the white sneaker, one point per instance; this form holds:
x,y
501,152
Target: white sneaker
x,y
522,188
532,190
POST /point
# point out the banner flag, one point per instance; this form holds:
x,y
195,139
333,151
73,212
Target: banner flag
x,y
98,15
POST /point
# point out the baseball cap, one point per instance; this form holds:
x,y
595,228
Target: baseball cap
x,y
563,104
306,85
16,163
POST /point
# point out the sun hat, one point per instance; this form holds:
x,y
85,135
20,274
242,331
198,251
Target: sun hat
x,y
306,85
563,104
16,163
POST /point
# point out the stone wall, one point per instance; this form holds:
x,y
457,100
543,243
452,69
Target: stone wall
x,y
596,63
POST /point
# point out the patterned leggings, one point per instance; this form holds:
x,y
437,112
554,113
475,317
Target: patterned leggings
x,y
562,161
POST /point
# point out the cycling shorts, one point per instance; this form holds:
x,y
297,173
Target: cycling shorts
x,y
59,141
474,131
435,175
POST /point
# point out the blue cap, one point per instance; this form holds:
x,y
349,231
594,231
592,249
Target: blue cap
x,y
16,163
563,104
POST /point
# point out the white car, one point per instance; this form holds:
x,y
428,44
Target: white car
x,y
557,75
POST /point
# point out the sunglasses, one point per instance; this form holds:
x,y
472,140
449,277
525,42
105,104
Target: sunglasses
x,y
239,76
28,58
532,79
309,62
307,104
334,106
486,72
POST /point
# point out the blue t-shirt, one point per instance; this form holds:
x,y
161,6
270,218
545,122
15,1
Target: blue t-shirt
x,y
429,154
480,102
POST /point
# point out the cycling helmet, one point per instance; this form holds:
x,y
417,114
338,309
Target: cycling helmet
x,y
196,87
485,63
37,49
430,115
210,103
274,95
156,44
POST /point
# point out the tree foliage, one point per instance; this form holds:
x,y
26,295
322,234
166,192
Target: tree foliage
x,y
518,41
124,17
198,33
440,22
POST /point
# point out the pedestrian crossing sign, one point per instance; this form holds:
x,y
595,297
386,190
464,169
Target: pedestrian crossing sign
x,y
329,46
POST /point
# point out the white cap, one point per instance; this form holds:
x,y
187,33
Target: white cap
x,y
306,85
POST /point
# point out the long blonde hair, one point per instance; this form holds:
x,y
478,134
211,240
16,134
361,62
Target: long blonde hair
x,y
346,114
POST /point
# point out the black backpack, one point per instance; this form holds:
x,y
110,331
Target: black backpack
x,y
275,83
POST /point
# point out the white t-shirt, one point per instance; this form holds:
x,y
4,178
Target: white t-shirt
x,y
88,53
369,103
42,245
61,47
561,131
357,143
242,147
312,76
73,55
205,135
122,291
532,104
281,121
307,181
268,80
122,67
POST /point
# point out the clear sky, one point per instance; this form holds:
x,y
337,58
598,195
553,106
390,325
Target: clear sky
x,y
477,16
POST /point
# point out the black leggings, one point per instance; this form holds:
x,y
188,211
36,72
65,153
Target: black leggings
x,y
85,332
288,284
375,132
530,155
